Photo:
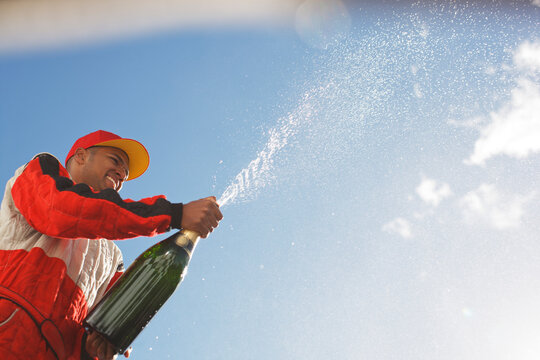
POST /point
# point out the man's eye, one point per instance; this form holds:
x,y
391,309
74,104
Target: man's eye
x,y
115,160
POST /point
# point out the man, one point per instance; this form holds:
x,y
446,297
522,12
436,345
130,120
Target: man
x,y
57,257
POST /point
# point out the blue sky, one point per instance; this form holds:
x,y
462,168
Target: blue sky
x,y
393,209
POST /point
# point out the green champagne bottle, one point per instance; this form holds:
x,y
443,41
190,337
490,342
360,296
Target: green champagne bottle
x,y
142,290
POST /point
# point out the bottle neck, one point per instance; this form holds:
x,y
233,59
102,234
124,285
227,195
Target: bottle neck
x,y
187,239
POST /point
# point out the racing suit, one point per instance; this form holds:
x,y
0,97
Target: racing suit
x,y
57,257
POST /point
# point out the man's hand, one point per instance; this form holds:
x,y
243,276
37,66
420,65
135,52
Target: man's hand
x,y
97,346
201,215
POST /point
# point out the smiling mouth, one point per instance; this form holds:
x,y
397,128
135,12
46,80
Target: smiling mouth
x,y
115,185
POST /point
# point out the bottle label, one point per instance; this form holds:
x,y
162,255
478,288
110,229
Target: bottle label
x,y
182,241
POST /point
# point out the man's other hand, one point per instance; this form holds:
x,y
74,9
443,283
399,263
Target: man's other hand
x,y
201,216
97,346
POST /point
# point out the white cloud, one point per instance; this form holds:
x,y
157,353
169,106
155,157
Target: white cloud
x,y
514,129
398,226
28,24
432,191
527,56
493,208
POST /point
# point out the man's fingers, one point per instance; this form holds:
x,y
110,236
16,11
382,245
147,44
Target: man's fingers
x,y
92,344
217,212
98,347
202,215
212,221
213,215
109,350
101,351
111,353
105,350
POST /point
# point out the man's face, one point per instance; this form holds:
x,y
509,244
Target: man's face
x,y
105,168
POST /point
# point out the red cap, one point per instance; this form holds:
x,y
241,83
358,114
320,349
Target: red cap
x,y
136,152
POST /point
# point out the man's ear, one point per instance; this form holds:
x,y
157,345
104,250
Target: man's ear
x,y
80,156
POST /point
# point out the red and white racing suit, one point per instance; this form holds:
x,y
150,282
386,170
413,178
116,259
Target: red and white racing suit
x,y
57,258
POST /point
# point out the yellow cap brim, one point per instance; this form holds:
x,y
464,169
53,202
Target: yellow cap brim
x,y
136,152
